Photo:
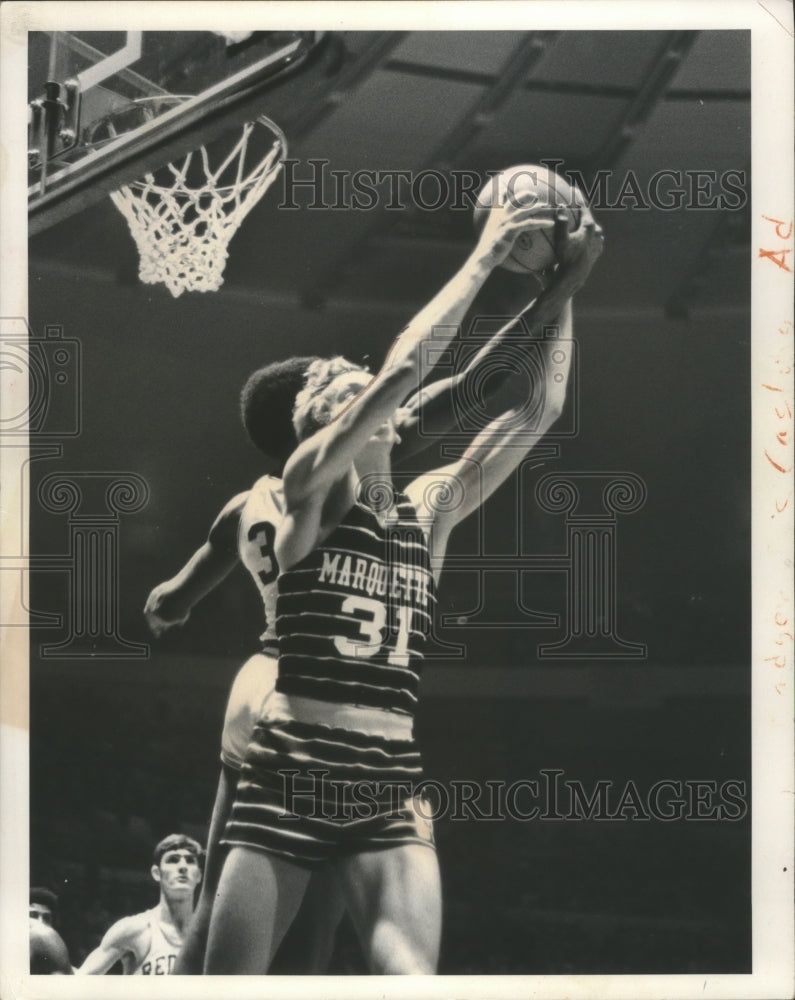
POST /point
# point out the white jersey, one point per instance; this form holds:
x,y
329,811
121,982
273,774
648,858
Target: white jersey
x,y
261,515
163,948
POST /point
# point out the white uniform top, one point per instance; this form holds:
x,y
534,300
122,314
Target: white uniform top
x,y
259,519
248,699
163,950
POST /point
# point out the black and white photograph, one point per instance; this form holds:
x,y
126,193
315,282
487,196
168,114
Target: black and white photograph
x,y
397,532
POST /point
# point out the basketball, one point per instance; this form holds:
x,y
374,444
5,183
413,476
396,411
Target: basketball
x,y
533,250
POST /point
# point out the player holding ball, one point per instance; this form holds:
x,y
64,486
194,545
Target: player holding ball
x,y
347,684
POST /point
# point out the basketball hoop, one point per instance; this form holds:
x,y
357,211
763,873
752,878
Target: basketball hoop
x,y
183,217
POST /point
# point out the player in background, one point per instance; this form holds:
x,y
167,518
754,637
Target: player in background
x,y
49,955
267,402
240,533
147,943
43,906
352,673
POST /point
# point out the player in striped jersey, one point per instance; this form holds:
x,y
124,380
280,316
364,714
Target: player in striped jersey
x,y
245,530
355,596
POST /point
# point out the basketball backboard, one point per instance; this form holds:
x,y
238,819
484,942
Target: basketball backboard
x,y
77,81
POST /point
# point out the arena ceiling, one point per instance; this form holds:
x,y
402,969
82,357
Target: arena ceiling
x,y
656,124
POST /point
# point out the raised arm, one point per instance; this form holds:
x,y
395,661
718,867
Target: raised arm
x,y
171,602
431,412
499,448
327,455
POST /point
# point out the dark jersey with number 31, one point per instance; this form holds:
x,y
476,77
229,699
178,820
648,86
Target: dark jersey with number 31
x,y
353,615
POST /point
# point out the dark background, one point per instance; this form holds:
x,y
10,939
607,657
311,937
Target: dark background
x,y
124,751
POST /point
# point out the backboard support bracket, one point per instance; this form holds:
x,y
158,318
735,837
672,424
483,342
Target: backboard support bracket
x,y
195,122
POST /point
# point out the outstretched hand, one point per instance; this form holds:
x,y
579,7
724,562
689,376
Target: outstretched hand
x,y
504,223
577,253
582,246
152,613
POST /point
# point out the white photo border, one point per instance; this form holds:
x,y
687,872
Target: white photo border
x,y
773,682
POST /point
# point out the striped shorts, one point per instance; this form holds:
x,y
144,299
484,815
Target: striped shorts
x,y
313,793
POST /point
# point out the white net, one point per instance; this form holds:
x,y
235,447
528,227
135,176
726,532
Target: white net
x,y
182,227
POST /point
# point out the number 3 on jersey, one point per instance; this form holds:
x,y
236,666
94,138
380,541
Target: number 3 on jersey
x,y
372,631
263,533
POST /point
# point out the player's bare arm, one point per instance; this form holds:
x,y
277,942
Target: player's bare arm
x,y
434,402
171,602
124,941
499,448
432,406
319,474
577,253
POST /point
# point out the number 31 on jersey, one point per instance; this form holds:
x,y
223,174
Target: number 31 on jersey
x,y
373,631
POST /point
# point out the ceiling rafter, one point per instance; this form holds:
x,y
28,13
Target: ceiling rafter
x,y
573,88
359,70
521,61
729,237
524,56
664,66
